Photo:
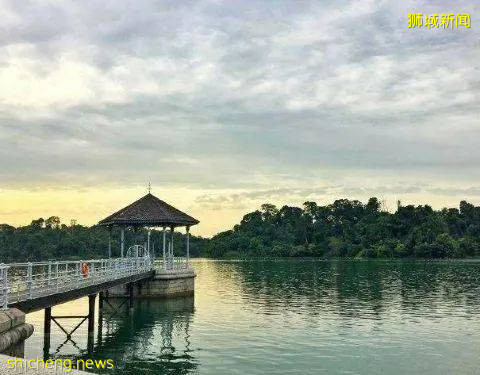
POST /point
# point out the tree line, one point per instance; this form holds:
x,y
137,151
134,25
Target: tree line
x,y
49,239
352,229
345,228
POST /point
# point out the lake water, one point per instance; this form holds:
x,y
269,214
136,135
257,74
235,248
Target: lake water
x,y
293,317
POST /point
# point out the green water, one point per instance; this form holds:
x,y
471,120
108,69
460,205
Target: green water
x,y
294,317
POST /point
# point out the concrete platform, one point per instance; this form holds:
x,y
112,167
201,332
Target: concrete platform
x,y
164,284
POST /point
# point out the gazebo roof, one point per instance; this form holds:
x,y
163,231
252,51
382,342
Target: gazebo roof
x,y
149,211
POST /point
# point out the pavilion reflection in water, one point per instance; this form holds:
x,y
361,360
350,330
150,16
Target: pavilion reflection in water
x,y
155,337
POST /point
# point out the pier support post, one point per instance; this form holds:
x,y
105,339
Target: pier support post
x,y
47,327
100,301
90,344
91,322
101,297
47,323
91,314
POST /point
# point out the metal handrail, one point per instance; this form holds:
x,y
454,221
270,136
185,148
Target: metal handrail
x,y
23,281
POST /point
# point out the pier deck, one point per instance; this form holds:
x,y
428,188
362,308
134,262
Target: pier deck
x,y
35,286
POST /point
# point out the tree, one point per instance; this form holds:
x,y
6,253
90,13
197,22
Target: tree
x,y
53,222
345,228
349,228
38,223
373,205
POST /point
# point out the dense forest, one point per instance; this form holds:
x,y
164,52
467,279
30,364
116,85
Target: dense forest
x,y
345,228
50,239
349,228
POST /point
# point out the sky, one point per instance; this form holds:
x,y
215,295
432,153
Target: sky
x,y
225,105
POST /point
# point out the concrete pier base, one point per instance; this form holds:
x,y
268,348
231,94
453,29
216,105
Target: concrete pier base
x,y
163,284
178,284
13,332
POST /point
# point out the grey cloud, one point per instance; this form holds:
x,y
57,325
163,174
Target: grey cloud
x,y
231,94
473,191
292,194
323,195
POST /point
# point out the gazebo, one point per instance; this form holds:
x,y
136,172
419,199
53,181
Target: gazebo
x,y
151,212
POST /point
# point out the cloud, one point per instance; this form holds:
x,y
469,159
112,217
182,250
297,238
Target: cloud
x,y
473,191
236,95
252,198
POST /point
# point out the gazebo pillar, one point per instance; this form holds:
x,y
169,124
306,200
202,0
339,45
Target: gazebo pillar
x,y
148,240
188,243
172,228
109,242
163,247
122,242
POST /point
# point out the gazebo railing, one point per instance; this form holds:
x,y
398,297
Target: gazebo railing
x,y
24,281
173,264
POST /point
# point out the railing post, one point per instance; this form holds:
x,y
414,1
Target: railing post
x,y
29,280
56,275
49,281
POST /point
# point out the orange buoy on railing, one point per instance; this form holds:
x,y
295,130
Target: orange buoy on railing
x,y
85,270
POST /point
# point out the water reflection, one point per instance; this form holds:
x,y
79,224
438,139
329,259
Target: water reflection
x,y
361,289
152,338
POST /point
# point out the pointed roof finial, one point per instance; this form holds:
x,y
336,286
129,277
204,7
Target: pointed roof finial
x,y
149,188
